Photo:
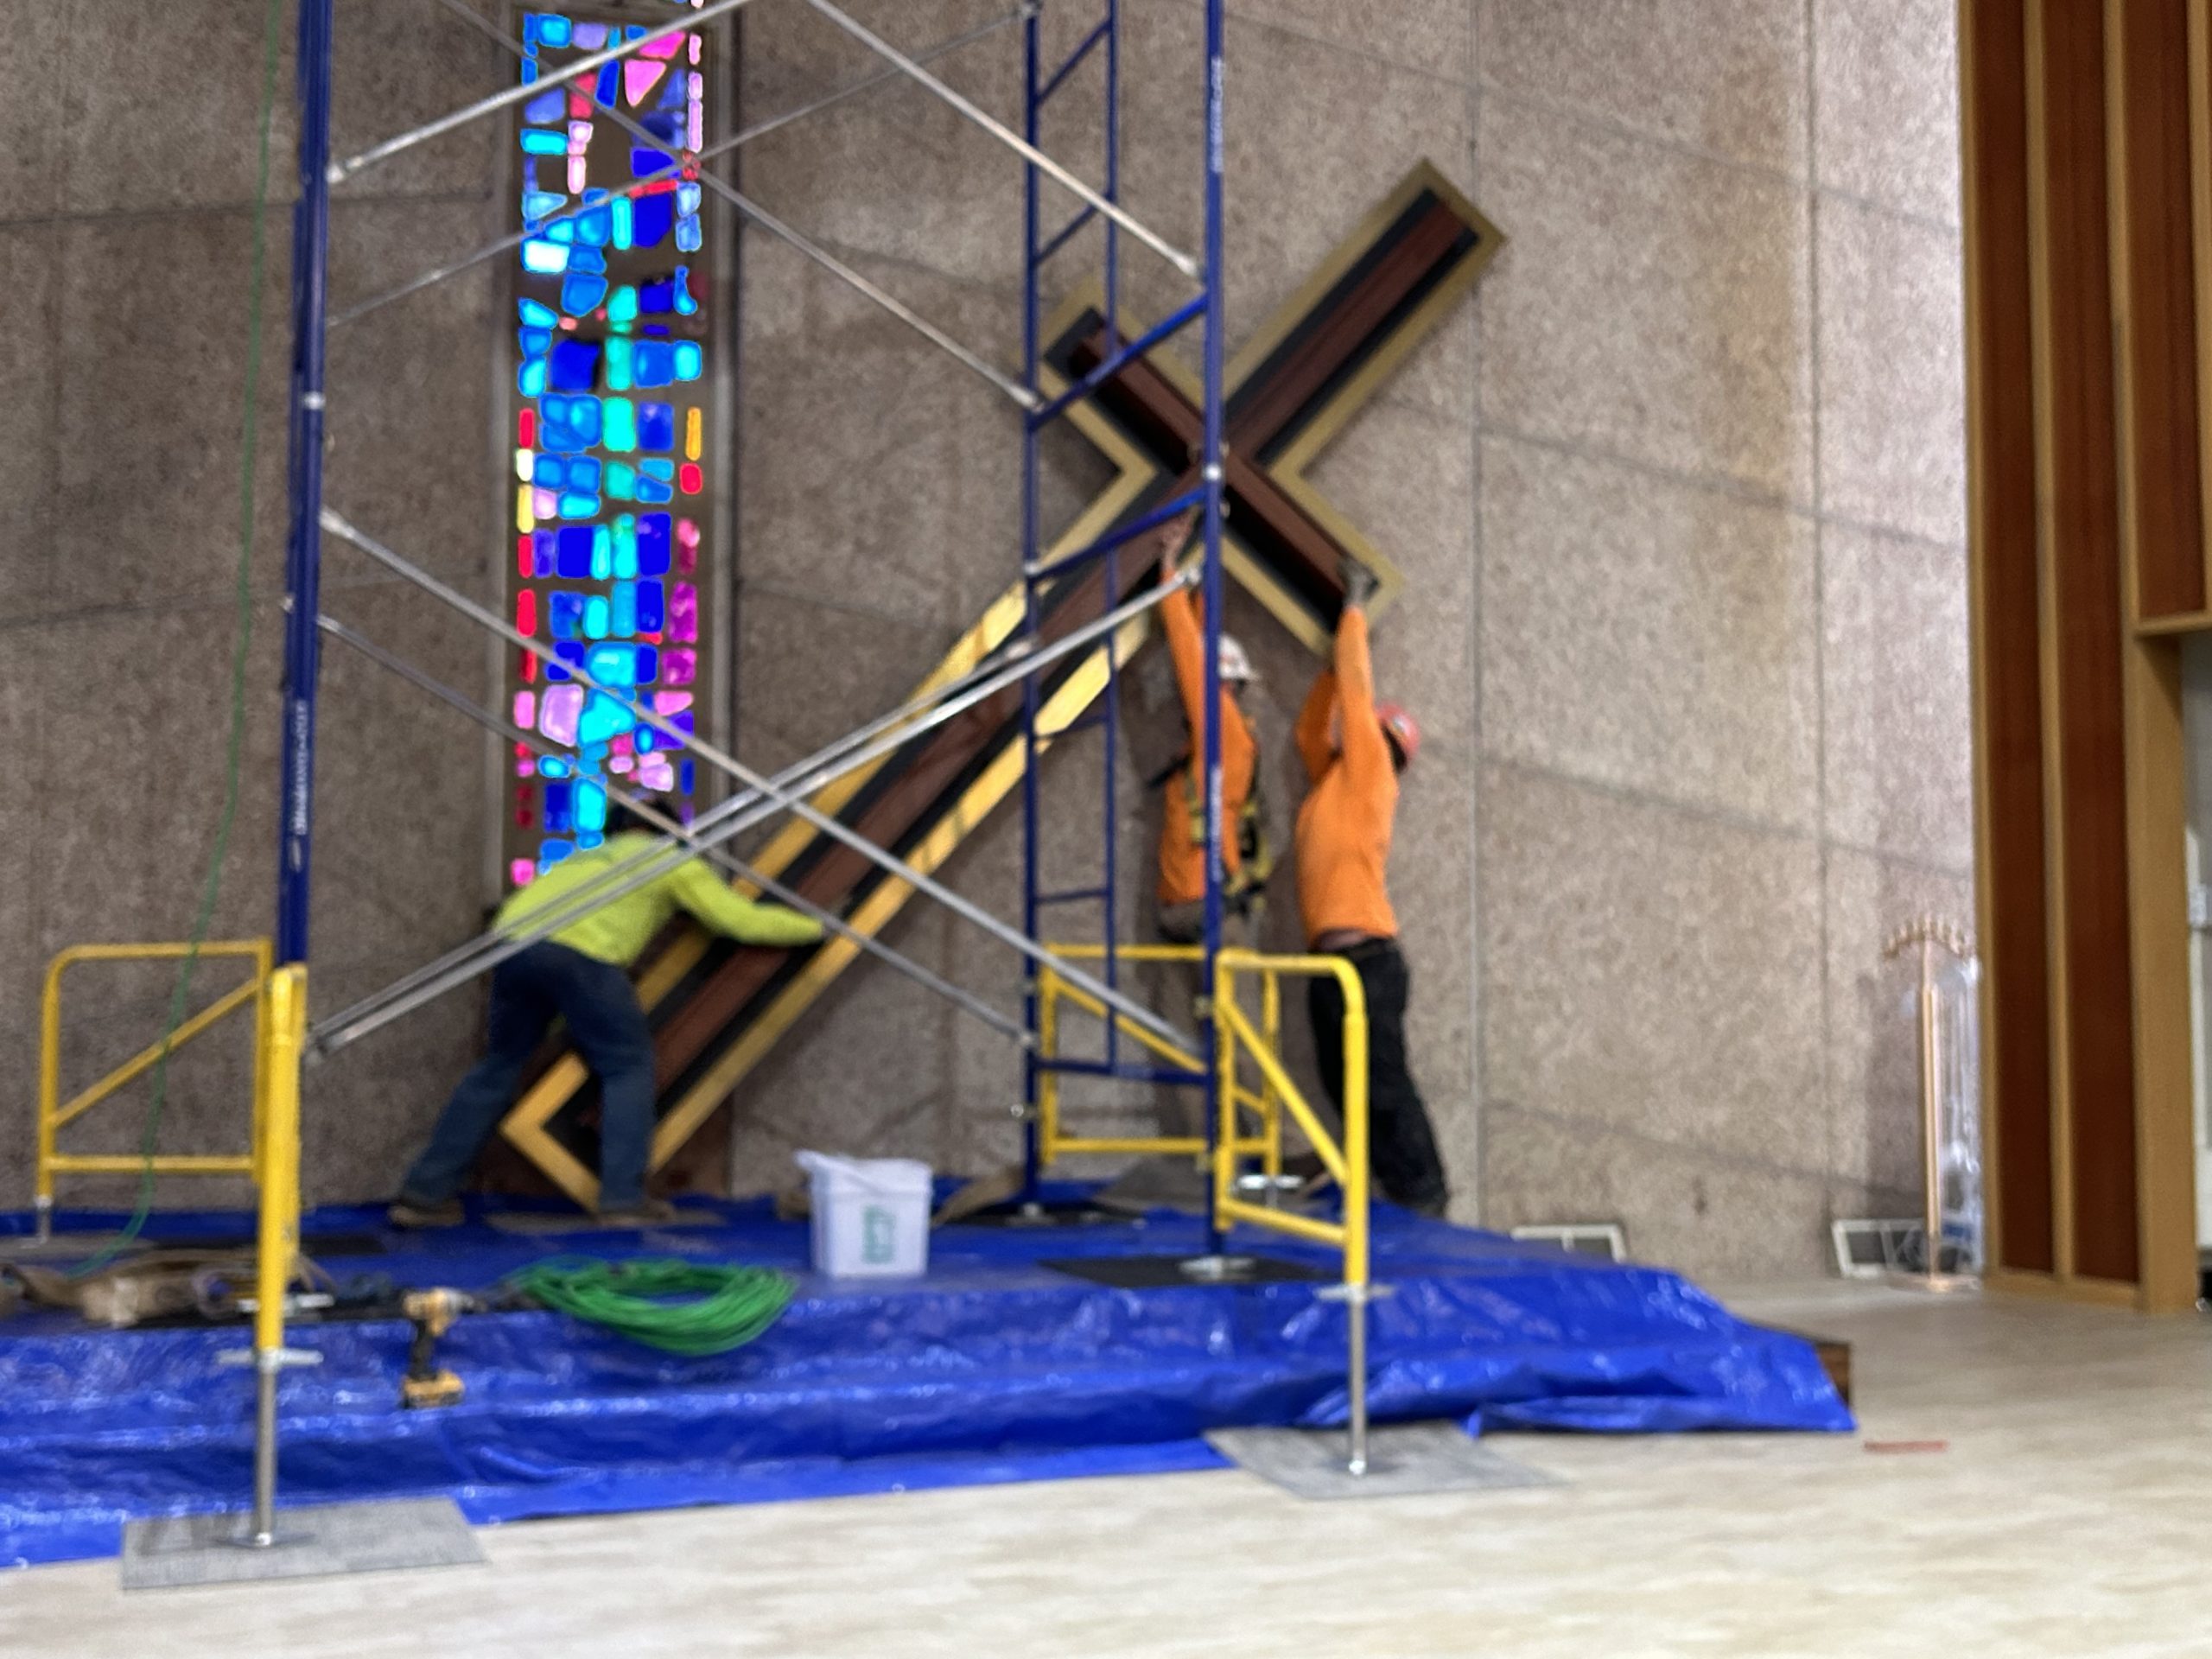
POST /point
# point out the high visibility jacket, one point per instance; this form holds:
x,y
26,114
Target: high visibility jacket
x,y
1344,825
1182,833
620,930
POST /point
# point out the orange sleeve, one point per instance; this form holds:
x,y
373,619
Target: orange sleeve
x,y
1312,732
1366,750
1179,614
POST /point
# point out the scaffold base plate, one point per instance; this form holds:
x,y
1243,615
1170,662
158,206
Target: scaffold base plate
x,y
1403,1459
322,1542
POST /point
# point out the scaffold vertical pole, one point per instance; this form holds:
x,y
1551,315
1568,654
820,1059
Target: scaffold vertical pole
x,y
303,553
1211,471
1032,693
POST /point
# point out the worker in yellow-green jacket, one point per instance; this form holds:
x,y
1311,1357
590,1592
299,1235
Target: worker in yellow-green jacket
x,y
581,973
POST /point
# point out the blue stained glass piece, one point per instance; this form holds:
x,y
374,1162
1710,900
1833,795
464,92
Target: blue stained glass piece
x,y
562,231
589,840
595,621
650,614
645,738
673,93
591,36
571,421
575,557
543,258
536,314
529,68
545,108
685,305
530,379
654,364
544,553
606,84
553,30
687,198
552,766
533,341
568,612
687,234
645,162
550,853
652,544
622,485
649,670
613,665
596,227
650,219
605,717
575,363
571,652
580,294
583,473
590,259
602,553
685,776
548,473
656,299
663,470
530,30
560,807
591,807
655,426
666,124
544,141
623,601
636,31
652,493
536,204
576,505
690,359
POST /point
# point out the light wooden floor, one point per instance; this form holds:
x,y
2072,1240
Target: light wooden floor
x,y
2071,1516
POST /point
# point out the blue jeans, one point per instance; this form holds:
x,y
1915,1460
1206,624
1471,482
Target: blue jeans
x,y
609,1031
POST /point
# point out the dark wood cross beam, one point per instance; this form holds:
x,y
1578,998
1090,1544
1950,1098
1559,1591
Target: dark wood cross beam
x,y
717,1009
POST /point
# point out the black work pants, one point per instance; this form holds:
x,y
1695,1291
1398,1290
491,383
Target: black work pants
x,y
1402,1144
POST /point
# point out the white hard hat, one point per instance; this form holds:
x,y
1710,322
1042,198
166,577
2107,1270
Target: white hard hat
x,y
1236,666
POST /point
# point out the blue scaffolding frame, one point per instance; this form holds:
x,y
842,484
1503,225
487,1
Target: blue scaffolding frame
x,y
1206,308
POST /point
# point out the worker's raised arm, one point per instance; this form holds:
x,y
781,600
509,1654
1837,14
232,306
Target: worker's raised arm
x,y
1312,732
703,893
1179,615
1366,750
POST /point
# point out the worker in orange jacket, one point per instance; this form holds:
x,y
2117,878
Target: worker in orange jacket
x,y
1245,860
1354,751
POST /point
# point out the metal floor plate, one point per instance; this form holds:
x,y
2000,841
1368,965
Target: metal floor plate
x,y
1402,1460
323,1541
1162,1272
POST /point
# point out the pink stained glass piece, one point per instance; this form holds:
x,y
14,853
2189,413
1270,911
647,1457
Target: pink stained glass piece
x,y
622,745
620,765
655,772
687,532
526,709
545,504
670,702
695,44
579,138
578,174
579,106
664,48
679,667
683,612
639,81
563,707
521,871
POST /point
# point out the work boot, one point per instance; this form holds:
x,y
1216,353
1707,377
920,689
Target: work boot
x,y
642,1212
417,1215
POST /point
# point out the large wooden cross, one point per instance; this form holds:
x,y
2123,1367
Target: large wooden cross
x,y
717,1009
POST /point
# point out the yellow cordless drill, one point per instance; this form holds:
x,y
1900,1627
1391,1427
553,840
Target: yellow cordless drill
x,y
432,1312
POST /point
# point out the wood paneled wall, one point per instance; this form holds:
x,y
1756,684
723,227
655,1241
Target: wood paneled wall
x,y
2088,251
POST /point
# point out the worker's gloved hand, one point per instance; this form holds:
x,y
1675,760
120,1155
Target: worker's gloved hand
x,y
1359,582
1174,536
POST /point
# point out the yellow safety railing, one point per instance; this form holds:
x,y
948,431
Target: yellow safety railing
x,y
55,1115
1052,990
1237,1038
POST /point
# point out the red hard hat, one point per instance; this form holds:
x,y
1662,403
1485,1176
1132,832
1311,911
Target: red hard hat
x,y
1397,720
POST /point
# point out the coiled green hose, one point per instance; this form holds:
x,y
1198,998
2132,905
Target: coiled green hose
x,y
678,1307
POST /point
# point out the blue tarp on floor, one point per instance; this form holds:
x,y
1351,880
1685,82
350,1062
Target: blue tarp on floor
x,y
993,1367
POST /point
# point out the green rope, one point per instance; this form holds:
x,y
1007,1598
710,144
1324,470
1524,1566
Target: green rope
x,y
665,1302
212,885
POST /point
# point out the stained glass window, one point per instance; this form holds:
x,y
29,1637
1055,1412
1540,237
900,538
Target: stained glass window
x,y
612,484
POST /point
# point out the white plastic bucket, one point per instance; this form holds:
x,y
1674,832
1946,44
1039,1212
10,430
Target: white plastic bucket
x,y
871,1215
